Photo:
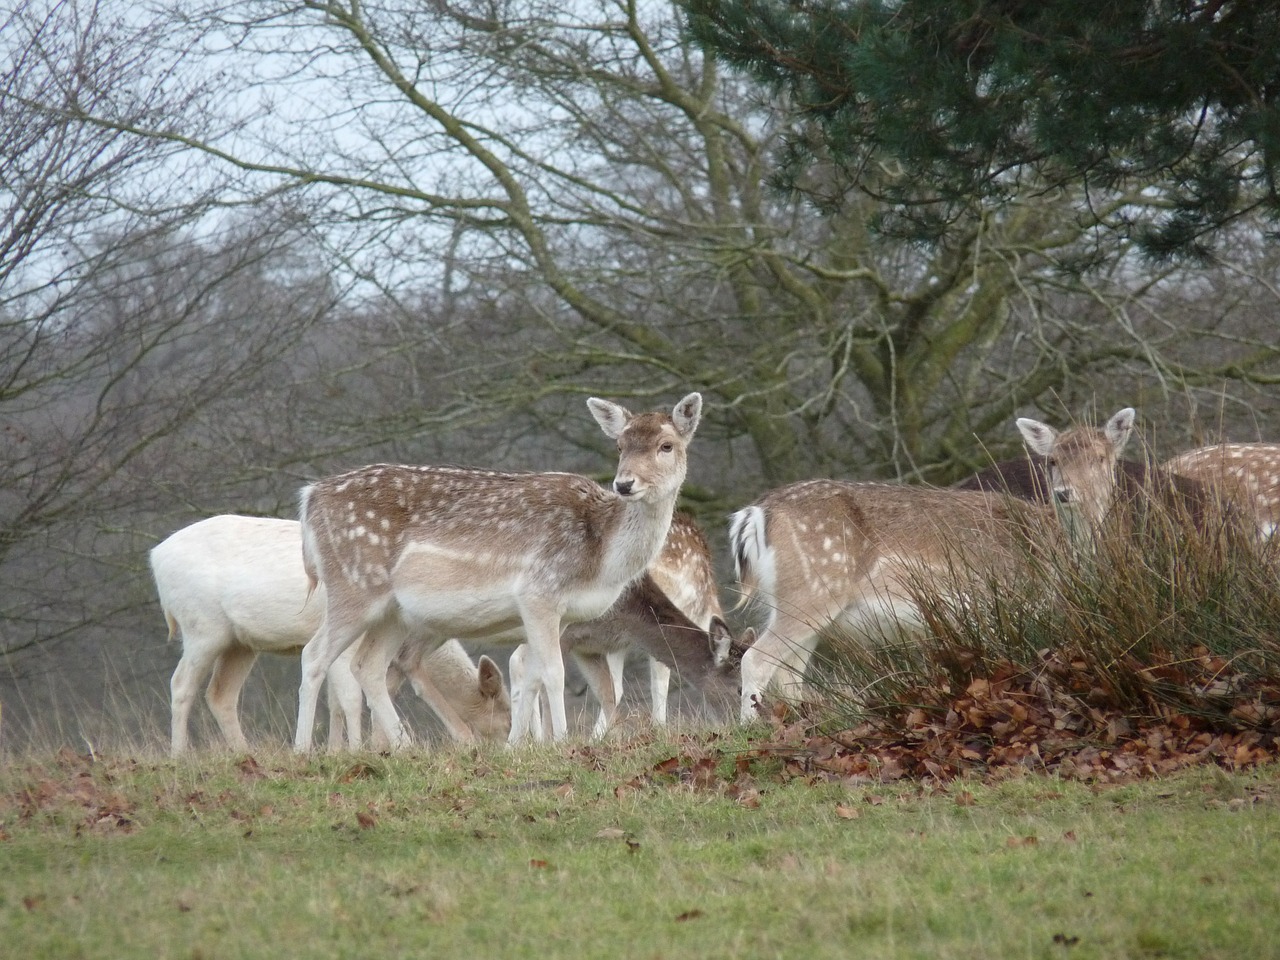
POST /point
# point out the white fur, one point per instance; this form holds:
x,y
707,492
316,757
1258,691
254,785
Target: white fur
x,y
233,587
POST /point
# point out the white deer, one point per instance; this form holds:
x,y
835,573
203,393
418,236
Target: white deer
x,y
677,619
827,555
446,551
1245,475
233,587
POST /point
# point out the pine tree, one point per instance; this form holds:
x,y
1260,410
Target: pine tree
x,y
961,100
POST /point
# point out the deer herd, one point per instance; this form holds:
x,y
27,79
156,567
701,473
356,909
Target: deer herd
x,y
391,569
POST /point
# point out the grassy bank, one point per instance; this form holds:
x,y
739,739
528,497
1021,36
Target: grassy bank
x,y
637,849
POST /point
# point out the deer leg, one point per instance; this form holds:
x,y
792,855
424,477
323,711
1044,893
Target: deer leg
x,y
518,668
545,669
197,660
223,693
370,666
659,685
346,704
786,640
318,656
604,676
379,742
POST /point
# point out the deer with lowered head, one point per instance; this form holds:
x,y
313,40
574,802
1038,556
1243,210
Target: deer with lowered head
x,y
672,614
438,552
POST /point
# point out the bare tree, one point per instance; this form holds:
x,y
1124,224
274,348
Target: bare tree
x,y
602,188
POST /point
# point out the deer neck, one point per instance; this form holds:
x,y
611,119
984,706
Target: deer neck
x,y
638,531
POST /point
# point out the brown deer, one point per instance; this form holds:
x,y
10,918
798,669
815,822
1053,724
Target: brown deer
x,y
1068,470
1080,465
1245,476
443,552
828,556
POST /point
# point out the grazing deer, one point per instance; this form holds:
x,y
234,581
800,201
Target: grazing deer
x,y
447,551
233,587
673,614
1244,475
833,556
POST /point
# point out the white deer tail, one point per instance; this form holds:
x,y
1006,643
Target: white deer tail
x,y
309,558
752,555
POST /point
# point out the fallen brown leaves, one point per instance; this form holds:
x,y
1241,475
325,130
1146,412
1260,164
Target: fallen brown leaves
x,y
77,788
1045,720
1009,722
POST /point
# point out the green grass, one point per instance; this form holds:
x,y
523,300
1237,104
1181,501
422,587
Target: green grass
x,y
584,851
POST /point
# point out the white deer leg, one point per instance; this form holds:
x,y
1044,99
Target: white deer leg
x,y
346,704
545,669
197,660
539,720
659,686
223,693
787,640
370,666
317,657
604,677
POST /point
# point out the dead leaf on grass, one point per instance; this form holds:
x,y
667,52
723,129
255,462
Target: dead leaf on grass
x,y
846,812
250,769
366,820
361,771
688,915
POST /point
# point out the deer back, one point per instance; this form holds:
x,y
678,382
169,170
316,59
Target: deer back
x,y
1244,475
815,548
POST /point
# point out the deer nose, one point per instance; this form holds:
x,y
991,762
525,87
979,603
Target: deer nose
x,y
623,487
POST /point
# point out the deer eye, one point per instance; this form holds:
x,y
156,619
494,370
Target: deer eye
x,y
667,447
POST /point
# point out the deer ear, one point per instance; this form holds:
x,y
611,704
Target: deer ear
x,y
490,679
1119,427
1037,436
611,417
687,414
721,641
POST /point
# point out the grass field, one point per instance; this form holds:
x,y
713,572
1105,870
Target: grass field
x,y
640,848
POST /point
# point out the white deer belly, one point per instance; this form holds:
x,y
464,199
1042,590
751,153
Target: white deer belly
x,y
458,593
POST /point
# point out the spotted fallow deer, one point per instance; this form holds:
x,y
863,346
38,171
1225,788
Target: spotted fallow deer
x,y
1080,465
828,556
1245,475
1070,469
442,552
232,587
676,618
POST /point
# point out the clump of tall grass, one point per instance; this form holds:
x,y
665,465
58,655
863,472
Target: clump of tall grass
x,y
1159,615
